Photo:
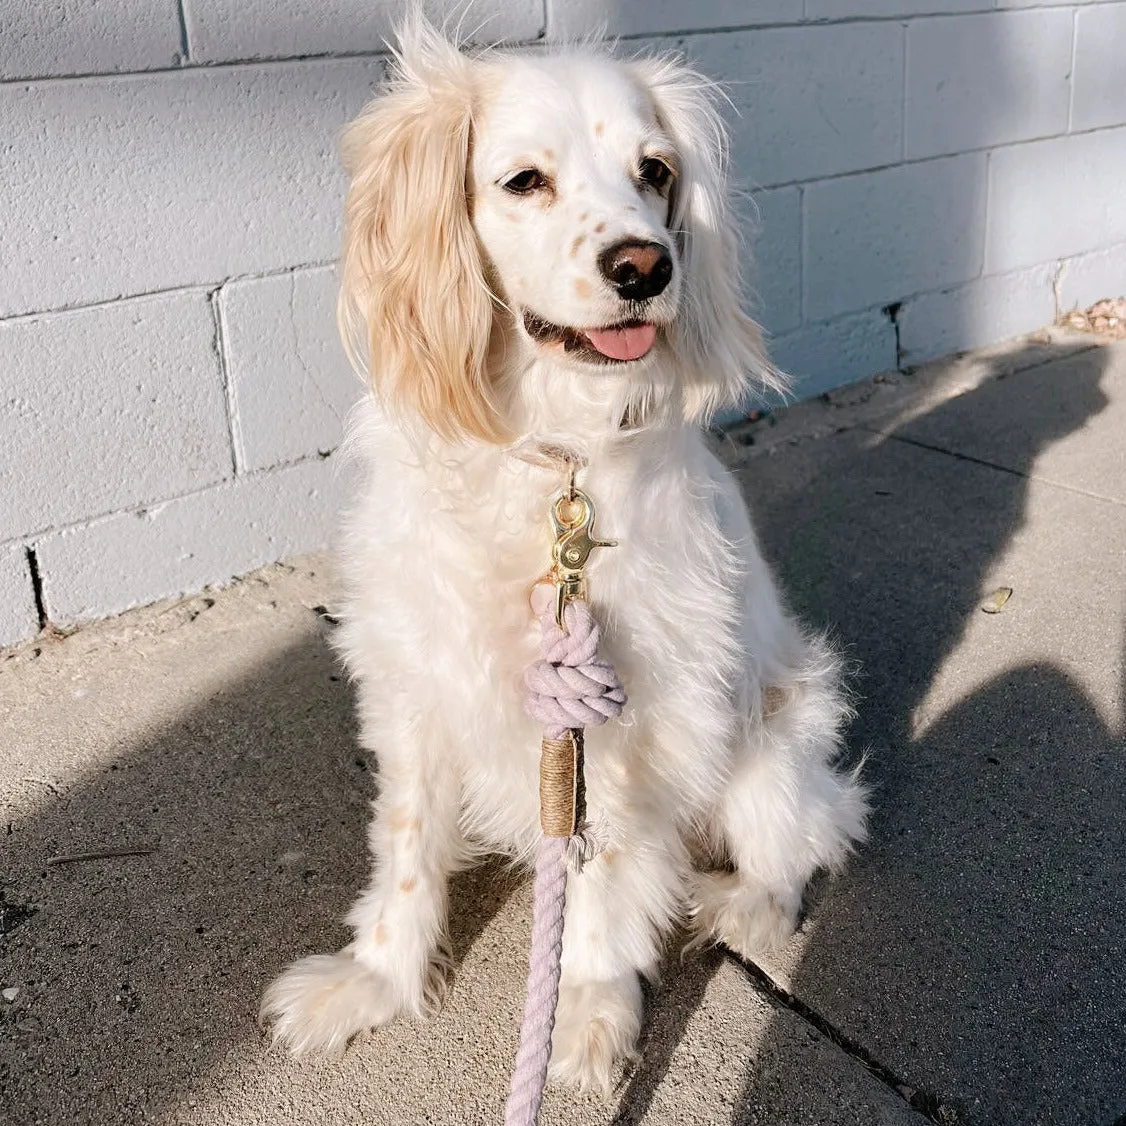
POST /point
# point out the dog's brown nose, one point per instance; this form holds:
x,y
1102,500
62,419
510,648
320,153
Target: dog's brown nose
x,y
637,270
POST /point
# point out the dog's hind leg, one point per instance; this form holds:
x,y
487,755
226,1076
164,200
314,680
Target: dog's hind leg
x,y
786,812
397,962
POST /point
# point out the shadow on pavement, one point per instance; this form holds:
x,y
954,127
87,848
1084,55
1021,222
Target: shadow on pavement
x,y
976,944
140,973
669,1006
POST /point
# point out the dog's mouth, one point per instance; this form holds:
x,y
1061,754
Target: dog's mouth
x,y
616,344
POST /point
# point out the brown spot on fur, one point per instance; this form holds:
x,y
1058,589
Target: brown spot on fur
x,y
599,128
548,154
397,819
582,287
774,699
582,217
415,824
609,856
580,239
380,934
408,885
600,228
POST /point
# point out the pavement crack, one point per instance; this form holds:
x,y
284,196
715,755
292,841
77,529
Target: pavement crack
x,y
986,463
924,1102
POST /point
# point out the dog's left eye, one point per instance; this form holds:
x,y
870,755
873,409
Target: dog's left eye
x,y
654,173
525,181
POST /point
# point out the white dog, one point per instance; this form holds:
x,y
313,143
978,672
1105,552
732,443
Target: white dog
x,y
541,266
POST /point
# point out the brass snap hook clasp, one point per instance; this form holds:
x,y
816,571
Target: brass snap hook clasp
x,y
572,520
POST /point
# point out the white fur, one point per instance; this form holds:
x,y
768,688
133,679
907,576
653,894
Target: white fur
x,y
449,534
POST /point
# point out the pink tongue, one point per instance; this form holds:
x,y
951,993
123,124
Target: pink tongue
x,y
623,343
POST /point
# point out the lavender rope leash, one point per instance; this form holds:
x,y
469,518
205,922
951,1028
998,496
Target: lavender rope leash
x,y
570,688
529,1076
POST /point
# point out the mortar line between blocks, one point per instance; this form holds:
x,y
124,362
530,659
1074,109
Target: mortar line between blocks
x,y
1054,264
221,351
917,161
207,287
806,22
1071,73
803,23
185,42
923,1102
202,66
983,272
159,503
194,68
985,463
903,96
803,250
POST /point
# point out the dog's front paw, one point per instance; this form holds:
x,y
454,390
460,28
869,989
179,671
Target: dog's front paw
x,y
596,1028
745,915
319,1003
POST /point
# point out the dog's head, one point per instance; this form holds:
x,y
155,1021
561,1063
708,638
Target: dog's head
x,y
515,214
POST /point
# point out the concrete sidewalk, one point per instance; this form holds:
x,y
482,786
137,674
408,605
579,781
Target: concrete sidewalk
x,y
969,967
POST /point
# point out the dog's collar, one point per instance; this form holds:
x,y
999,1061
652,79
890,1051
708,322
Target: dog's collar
x,y
549,455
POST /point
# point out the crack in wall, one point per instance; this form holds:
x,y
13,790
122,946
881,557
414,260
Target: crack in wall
x,y
37,587
892,313
309,370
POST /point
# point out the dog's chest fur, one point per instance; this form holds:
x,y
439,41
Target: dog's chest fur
x,y
477,539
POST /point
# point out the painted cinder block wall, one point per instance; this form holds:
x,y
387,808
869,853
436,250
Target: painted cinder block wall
x,y
171,389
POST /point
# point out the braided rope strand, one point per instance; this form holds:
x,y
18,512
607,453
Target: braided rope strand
x,y
549,900
569,689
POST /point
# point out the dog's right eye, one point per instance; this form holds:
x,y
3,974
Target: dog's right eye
x,y
525,181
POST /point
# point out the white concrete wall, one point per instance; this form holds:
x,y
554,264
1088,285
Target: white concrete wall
x,y
170,385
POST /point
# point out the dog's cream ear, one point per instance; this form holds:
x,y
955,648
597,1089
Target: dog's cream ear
x,y
720,346
415,309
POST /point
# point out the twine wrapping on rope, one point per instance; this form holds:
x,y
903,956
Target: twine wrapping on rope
x,y
570,688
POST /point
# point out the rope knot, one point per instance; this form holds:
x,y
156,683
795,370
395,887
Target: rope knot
x,y
571,685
